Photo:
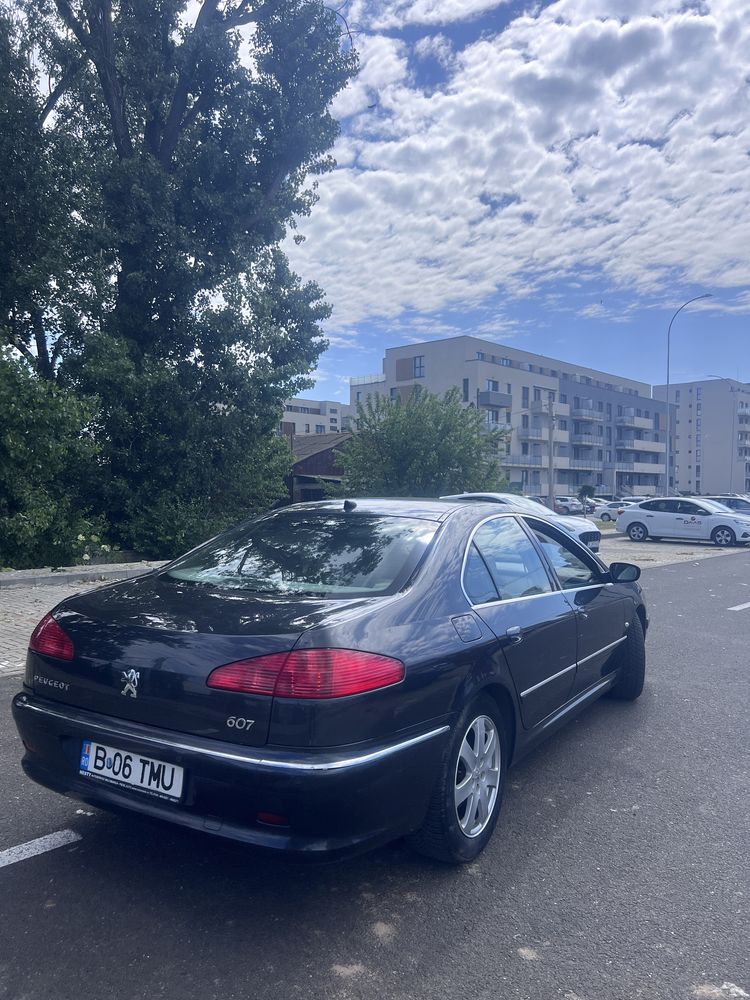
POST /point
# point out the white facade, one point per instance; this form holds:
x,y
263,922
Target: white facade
x,y
711,435
607,431
314,416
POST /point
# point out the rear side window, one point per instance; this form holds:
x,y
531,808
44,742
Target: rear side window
x,y
663,506
477,580
511,560
320,553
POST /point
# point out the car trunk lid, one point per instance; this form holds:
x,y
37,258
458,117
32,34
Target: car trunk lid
x,y
145,648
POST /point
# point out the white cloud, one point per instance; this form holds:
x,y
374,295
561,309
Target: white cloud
x,y
388,14
571,144
437,47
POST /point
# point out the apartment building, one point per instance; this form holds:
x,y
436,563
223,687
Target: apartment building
x,y
711,434
607,431
314,416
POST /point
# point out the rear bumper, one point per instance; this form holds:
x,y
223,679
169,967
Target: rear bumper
x,y
335,802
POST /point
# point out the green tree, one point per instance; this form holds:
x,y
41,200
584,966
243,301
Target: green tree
x,y
175,149
43,458
425,446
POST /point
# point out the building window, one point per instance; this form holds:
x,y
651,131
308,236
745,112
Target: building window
x,y
600,406
524,420
359,396
334,420
699,392
320,429
563,397
525,397
563,425
332,409
492,385
466,390
419,366
506,362
537,393
393,393
307,428
480,355
509,388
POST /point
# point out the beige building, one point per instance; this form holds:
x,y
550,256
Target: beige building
x,y
711,435
607,431
314,416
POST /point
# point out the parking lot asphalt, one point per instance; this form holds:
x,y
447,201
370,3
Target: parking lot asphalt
x,y
618,869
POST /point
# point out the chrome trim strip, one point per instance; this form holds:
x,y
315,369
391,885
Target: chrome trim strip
x,y
588,586
548,679
246,758
604,649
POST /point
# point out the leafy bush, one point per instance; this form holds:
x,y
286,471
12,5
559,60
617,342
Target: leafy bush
x,y
44,457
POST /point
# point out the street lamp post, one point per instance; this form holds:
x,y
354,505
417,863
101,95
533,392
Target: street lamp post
x,y
707,295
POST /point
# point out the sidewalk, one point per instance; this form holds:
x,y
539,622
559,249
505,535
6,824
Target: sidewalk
x,y
74,574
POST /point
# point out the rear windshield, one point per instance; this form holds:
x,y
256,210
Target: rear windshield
x,y
321,553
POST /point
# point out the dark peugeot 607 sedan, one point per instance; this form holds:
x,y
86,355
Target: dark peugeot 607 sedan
x,y
333,675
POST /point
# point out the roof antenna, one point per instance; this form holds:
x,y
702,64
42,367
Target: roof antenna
x,y
350,505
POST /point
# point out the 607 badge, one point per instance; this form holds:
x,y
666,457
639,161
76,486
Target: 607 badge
x,y
118,767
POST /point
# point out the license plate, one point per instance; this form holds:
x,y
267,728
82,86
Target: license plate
x,y
119,767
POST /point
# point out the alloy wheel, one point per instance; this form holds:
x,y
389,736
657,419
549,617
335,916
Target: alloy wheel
x,y
477,776
723,536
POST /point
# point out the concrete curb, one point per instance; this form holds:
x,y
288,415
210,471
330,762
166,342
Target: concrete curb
x,y
76,574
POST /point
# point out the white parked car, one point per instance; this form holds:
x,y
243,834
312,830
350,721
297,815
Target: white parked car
x,y
610,510
568,505
681,517
583,529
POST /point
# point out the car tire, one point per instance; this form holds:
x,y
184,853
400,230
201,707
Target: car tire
x,y
605,517
442,836
637,532
631,664
723,537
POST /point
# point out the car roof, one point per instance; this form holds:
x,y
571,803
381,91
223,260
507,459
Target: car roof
x,y
429,509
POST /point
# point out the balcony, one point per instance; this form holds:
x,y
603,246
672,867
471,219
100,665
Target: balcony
x,y
586,413
541,406
524,461
491,400
366,379
634,444
645,468
586,463
643,423
542,434
588,439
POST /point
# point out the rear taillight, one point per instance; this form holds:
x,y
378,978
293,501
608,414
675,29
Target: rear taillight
x,y
50,640
309,673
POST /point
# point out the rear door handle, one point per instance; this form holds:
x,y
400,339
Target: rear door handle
x,y
514,633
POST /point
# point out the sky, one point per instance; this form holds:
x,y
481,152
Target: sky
x,y
556,176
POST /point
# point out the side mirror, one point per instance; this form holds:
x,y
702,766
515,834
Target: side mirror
x,y
624,572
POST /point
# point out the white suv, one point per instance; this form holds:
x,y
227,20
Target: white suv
x,y
679,517
568,505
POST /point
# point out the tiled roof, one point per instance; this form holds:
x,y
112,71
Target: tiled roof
x,y
305,445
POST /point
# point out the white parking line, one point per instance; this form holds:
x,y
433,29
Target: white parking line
x,y
740,607
38,846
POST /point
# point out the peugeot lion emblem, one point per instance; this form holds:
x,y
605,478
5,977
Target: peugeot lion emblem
x,y
130,683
